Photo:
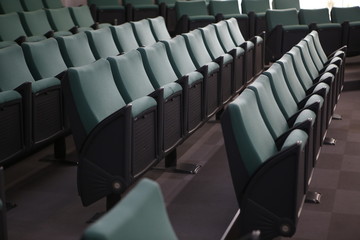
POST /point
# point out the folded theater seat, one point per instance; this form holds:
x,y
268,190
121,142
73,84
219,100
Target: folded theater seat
x,y
116,142
191,15
124,37
201,57
268,175
256,45
161,73
43,114
130,73
283,32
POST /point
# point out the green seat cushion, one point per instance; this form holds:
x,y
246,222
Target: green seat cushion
x,y
296,136
194,77
142,104
304,115
8,96
295,27
202,18
171,88
145,6
45,83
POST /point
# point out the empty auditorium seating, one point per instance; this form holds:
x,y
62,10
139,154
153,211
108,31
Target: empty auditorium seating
x,y
83,19
258,163
52,4
32,5
36,23
107,11
143,33
159,29
116,141
285,4
256,11
102,43
9,6
60,20
319,20
143,208
230,9
3,227
75,50
283,32
140,9
124,37
191,15
167,11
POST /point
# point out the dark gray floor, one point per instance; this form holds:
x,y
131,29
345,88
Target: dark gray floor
x,y
200,206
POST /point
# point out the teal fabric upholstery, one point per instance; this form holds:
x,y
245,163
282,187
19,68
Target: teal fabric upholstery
x,y
53,3
9,6
60,20
141,9
107,11
76,50
44,58
143,208
102,43
159,29
257,6
284,4
82,18
32,5
124,37
346,14
143,33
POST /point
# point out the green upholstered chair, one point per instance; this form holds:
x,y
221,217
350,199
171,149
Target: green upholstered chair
x,y
42,99
3,223
285,4
183,65
168,12
227,66
230,9
141,9
279,126
256,11
32,5
142,208
124,37
36,23
349,17
143,33
44,59
192,15
11,29
107,11
60,20
243,55
268,175
161,73
9,6
75,50
283,32
109,134
52,4
168,96
82,18
102,43
256,46
319,20
159,29
201,57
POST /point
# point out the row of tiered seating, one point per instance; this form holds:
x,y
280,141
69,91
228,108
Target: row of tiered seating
x,y
32,26
272,132
8,6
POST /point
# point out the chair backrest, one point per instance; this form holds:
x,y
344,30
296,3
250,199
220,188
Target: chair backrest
x,y
235,31
104,3
281,17
53,3
8,6
212,42
76,50
179,56
129,73
32,5
197,48
313,52
345,14
143,32
307,59
223,7
35,22
308,16
315,35
159,29
13,68
157,65
272,115
60,19
281,91
142,208
94,100
81,16
224,35
3,224
190,8
138,2
257,6
124,37
44,58
10,27
285,4
102,43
